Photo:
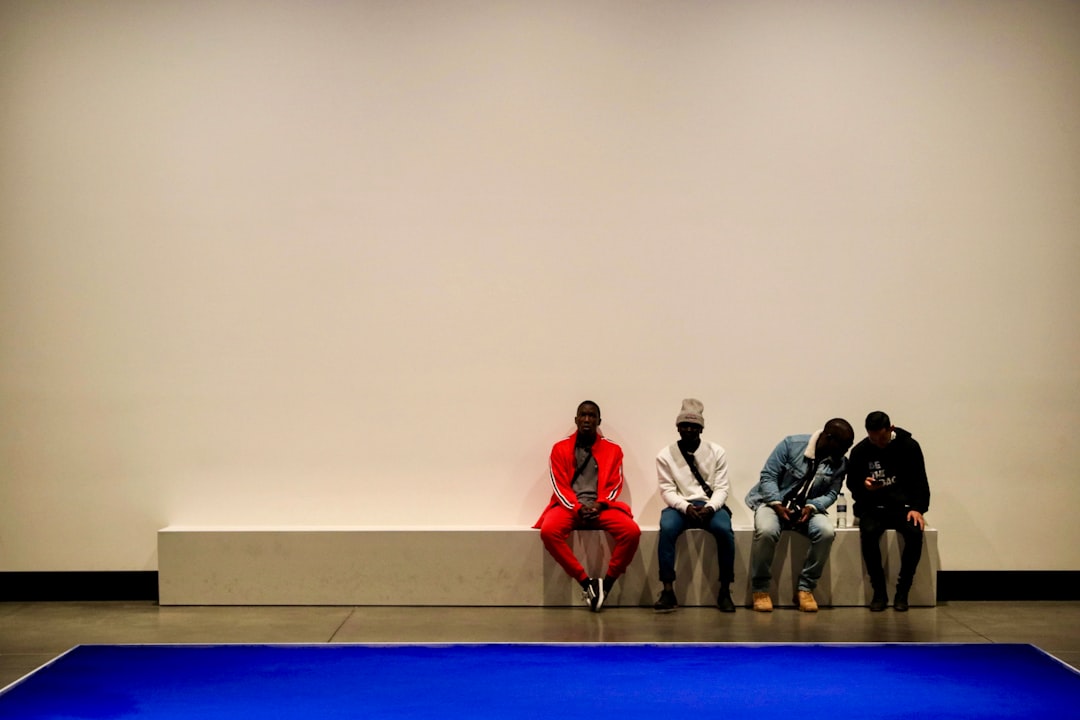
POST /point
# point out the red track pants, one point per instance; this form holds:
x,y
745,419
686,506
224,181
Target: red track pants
x,y
558,523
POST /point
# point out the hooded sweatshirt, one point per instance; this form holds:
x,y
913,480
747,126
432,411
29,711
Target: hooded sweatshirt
x,y
899,465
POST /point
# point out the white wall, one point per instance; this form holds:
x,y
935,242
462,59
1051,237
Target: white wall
x,y
356,263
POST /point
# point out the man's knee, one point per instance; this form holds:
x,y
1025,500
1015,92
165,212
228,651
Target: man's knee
x,y
766,534
622,527
725,533
871,534
766,525
670,535
547,536
822,532
722,532
553,533
910,532
671,524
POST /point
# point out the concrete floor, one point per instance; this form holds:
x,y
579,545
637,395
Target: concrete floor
x,y
33,633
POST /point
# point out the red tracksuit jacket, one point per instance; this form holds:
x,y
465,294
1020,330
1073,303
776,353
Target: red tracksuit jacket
x,y
609,480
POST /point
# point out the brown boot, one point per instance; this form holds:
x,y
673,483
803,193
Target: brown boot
x,y
806,602
762,602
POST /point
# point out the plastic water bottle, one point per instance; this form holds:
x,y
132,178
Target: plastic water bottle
x,y
841,511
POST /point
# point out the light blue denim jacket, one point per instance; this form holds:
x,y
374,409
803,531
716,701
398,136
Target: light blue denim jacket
x,y
786,467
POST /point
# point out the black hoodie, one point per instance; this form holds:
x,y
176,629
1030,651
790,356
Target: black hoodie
x,y
900,464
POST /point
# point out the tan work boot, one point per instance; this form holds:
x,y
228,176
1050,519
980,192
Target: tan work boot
x,y
762,602
806,601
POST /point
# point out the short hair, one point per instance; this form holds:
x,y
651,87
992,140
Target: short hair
x,y
840,425
877,420
583,403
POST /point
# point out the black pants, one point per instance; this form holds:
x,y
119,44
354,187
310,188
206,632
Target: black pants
x,y
872,525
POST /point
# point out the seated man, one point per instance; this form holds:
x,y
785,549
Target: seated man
x,y
887,479
586,474
800,480
694,485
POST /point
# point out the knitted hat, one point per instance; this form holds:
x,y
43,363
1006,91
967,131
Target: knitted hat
x,y
692,412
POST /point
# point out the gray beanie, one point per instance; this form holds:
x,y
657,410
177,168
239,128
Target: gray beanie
x,y
692,412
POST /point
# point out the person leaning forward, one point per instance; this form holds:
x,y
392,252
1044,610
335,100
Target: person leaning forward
x,y
801,478
692,474
888,484
587,479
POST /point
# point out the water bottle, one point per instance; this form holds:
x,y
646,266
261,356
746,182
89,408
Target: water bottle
x,y
841,511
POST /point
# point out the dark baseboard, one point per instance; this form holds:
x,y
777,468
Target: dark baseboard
x,y
45,586
143,585
1008,585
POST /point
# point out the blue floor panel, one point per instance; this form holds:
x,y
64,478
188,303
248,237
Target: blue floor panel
x,y
563,682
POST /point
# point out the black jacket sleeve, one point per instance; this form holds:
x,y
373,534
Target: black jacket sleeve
x,y
857,472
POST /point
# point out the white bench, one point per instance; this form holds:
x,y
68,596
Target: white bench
x,y
482,566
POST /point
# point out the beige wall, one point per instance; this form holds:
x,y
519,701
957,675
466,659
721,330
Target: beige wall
x,y
356,263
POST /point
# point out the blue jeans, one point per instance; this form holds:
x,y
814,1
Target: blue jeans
x,y
673,523
819,529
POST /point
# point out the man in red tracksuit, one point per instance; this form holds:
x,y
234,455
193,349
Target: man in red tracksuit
x,y
586,474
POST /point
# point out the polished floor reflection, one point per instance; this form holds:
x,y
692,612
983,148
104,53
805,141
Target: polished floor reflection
x,y
33,633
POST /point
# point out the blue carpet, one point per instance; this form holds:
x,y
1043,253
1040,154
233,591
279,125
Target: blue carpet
x,y
563,682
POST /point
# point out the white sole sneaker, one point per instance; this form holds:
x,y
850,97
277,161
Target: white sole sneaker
x,y
601,597
592,594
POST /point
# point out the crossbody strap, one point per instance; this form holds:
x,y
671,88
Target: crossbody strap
x,y
581,468
798,495
692,462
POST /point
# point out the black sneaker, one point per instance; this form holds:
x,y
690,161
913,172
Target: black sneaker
x,y
592,593
900,602
723,601
666,602
605,590
879,602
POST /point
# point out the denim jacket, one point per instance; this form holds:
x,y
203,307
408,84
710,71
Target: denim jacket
x,y
788,465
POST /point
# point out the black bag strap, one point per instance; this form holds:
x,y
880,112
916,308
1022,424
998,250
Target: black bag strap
x,y
581,468
692,462
798,495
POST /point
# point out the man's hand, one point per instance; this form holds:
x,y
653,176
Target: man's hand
x,y
916,518
701,513
782,511
872,484
589,511
807,511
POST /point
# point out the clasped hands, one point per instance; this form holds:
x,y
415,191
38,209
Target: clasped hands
x,y
701,513
589,511
787,516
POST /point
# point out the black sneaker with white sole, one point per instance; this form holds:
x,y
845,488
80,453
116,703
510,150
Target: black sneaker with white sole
x,y
605,591
592,592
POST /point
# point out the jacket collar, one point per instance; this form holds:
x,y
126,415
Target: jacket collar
x,y
811,446
811,450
